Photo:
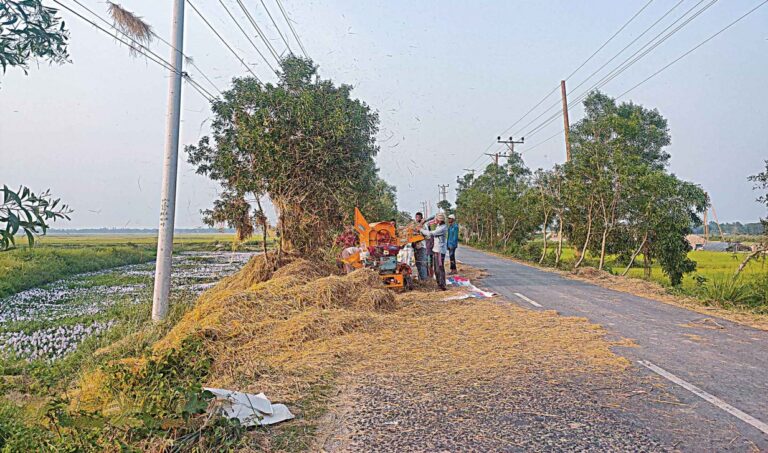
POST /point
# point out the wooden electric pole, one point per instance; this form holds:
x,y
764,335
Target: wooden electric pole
x,y
566,123
496,156
510,143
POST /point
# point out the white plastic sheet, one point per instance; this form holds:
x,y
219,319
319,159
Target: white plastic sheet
x,y
472,291
250,409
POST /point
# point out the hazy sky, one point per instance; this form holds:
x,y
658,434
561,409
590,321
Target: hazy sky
x,y
445,76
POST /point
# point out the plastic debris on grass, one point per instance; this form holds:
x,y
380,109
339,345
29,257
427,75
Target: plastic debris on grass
x,y
249,409
472,291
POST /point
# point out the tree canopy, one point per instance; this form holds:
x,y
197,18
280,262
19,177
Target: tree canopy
x,y
303,142
614,195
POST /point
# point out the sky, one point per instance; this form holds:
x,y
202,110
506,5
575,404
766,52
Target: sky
x,y
446,77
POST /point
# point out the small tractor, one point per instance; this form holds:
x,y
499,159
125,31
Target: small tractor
x,y
380,244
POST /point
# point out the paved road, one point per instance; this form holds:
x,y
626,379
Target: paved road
x,y
719,371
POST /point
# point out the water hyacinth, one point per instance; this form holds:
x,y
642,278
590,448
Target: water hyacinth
x,y
51,343
76,297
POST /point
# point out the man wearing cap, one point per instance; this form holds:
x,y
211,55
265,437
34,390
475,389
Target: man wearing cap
x,y
452,240
439,249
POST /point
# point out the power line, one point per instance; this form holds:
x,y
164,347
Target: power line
x,y
575,101
629,61
276,27
685,54
151,56
247,36
258,29
630,20
695,47
188,58
610,39
224,41
293,30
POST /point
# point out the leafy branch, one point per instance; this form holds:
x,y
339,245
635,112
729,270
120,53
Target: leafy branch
x,y
27,212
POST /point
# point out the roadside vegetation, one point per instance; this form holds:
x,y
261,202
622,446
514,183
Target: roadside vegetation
x,y
137,386
615,207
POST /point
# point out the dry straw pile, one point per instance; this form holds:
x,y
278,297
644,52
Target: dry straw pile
x,y
288,331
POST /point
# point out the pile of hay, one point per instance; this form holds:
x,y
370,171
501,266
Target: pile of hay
x,y
291,331
268,330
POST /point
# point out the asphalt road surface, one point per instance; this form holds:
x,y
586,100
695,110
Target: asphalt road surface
x,y
718,370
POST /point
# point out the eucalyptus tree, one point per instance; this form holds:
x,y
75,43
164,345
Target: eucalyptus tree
x,y
496,206
303,142
24,212
30,30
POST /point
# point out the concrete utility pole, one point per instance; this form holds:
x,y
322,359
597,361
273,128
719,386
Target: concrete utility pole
x,y
170,166
566,122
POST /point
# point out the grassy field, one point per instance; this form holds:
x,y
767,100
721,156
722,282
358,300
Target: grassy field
x,y
709,265
67,323
58,256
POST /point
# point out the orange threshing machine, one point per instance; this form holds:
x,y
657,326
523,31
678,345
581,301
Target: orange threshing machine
x,y
380,243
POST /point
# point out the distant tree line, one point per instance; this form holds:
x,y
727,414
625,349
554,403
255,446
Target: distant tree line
x,y
615,196
733,228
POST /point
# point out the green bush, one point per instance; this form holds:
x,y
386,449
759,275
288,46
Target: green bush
x,y
727,290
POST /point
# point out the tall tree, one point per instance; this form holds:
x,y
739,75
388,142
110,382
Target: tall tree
x,y
29,30
304,142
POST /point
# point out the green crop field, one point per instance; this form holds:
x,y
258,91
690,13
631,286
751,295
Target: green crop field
x,y
710,265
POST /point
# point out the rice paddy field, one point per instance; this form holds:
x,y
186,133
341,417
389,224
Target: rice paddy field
x,y
71,303
709,265
58,256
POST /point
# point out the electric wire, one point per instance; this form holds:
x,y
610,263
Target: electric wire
x,y
293,30
245,33
685,54
695,47
255,25
610,39
148,53
629,21
279,32
647,48
189,59
221,38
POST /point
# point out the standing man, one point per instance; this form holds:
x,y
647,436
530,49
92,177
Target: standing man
x,y
439,249
420,250
453,241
